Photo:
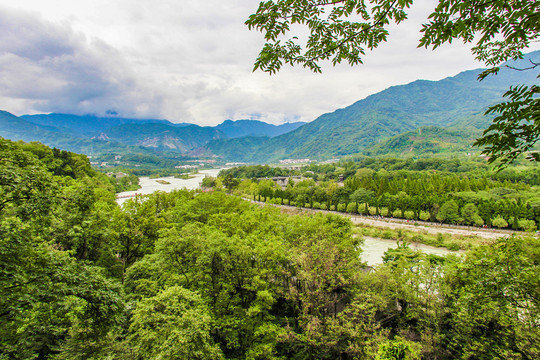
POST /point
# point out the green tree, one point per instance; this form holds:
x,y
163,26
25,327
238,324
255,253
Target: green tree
x,y
230,182
499,222
449,213
174,324
343,30
493,301
470,215
397,349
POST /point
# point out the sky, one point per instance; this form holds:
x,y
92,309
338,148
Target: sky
x,y
187,61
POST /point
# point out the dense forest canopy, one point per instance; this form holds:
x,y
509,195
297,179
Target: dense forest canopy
x,y
189,275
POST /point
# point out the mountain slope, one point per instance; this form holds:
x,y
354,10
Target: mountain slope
x,y
241,128
86,125
390,112
425,141
162,136
16,128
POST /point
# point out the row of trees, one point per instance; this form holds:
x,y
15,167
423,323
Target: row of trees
x,y
415,195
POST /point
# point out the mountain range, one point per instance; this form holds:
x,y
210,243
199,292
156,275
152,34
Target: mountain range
x,y
456,103
91,134
420,118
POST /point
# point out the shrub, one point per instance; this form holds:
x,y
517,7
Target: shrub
x,y
424,215
478,221
527,225
409,214
351,208
499,222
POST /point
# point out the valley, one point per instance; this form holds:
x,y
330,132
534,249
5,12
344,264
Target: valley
x,y
373,228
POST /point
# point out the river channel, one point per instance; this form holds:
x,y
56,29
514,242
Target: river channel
x,y
148,186
374,248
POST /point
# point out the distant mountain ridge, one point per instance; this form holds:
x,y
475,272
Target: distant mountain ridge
x,y
85,125
63,130
242,128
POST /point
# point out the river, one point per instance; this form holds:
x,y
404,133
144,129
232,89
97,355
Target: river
x,y
374,248
148,186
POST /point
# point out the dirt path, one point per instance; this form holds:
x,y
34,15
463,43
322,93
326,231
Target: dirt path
x,y
432,228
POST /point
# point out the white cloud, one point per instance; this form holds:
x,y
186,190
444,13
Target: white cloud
x,y
185,61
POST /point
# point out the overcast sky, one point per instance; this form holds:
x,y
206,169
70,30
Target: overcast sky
x,y
186,61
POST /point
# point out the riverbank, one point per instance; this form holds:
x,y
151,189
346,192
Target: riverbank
x,y
166,184
452,237
373,249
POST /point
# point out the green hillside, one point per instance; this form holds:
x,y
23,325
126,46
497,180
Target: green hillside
x,y
426,141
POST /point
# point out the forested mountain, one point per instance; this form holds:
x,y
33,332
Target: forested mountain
x,y
426,140
90,134
456,104
86,125
454,101
16,128
242,128
162,136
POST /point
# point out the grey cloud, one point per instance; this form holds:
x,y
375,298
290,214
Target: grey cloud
x,y
57,69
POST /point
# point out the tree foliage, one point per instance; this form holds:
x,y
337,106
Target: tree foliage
x,y
207,276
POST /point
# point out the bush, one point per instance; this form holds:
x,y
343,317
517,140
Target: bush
x,y
362,208
372,210
351,208
478,221
409,214
316,205
527,225
383,211
341,207
323,206
396,213
332,207
424,215
499,222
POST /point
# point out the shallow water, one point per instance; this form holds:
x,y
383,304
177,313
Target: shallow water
x,y
374,248
148,186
